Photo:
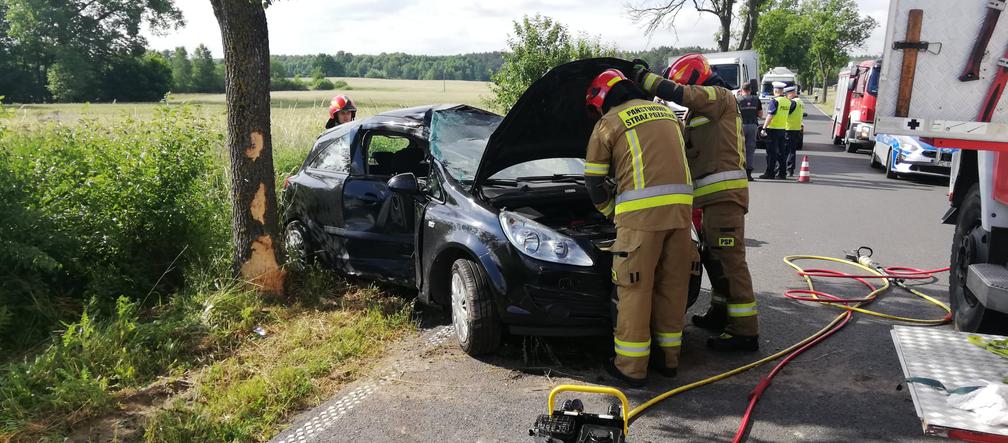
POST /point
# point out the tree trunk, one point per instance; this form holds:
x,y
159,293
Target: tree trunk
x,y
724,43
253,191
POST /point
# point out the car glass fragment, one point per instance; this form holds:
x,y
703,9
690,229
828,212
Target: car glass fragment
x,y
458,138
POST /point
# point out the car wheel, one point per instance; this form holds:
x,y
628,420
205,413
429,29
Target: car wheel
x,y
296,245
874,161
969,246
476,324
889,172
836,140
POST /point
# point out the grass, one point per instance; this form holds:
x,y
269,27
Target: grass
x,y
827,107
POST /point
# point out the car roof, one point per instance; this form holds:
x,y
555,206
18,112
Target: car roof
x,y
416,113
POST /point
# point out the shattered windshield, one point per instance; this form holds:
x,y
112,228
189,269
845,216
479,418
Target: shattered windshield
x,y
458,138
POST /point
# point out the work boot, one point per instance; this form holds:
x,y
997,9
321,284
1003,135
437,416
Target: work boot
x,y
729,343
657,362
766,176
748,173
614,373
714,320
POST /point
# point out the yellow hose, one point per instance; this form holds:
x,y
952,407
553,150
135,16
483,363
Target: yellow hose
x,y
789,260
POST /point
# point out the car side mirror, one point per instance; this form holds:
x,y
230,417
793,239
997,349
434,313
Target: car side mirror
x,y
405,183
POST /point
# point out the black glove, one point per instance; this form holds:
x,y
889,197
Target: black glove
x,y
639,71
643,63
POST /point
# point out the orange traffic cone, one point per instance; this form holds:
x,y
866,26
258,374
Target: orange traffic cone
x,y
804,176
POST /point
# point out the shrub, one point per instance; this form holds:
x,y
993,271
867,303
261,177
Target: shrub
x,y
341,85
323,84
288,84
90,211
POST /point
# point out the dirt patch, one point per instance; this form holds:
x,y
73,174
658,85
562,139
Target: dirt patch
x,y
126,422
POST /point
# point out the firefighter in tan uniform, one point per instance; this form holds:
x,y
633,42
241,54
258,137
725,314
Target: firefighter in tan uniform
x,y
715,149
639,144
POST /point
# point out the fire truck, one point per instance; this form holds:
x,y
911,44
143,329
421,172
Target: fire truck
x,y
854,108
947,86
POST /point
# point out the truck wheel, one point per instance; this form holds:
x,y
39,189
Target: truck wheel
x,y
836,140
889,172
850,147
874,161
476,324
969,245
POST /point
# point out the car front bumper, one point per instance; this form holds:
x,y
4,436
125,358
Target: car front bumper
x,y
920,162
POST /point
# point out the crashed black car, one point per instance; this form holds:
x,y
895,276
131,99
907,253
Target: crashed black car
x,y
485,215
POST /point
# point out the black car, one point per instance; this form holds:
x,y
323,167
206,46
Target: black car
x,y
484,214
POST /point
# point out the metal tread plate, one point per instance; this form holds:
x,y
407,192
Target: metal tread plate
x,y
996,276
948,357
941,105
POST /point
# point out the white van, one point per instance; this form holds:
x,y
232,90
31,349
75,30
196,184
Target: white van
x,y
778,74
736,68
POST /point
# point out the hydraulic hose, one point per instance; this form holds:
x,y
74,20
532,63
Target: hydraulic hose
x,y
887,277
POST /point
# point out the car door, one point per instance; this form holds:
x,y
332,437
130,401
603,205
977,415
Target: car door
x,y
324,178
378,224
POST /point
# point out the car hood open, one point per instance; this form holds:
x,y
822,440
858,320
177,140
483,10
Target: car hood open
x,y
549,120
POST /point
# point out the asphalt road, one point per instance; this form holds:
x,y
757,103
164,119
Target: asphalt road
x,y
843,390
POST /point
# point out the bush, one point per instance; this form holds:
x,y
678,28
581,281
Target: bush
x,y
95,212
323,84
288,84
341,85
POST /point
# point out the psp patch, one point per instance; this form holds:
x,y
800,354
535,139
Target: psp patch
x,y
726,242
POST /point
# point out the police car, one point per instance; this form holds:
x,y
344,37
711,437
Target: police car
x,y
902,154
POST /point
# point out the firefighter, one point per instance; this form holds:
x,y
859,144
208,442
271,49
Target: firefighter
x,y
794,126
341,110
639,144
751,110
774,127
716,156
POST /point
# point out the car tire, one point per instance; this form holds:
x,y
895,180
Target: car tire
x,y
874,161
889,172
969,246
297,246
477,327
836,140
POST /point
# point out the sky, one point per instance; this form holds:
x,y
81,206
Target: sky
x,y
445,27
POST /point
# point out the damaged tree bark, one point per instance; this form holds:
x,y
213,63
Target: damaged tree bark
x,y
254,217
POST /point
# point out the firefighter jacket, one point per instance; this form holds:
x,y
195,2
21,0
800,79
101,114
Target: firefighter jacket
x,y
715,146
640,144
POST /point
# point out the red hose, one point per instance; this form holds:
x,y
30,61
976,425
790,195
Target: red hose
x,y
891,272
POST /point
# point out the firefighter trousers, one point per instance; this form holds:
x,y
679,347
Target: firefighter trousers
x,y
651,270
724,258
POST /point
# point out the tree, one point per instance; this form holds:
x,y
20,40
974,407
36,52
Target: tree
x,y
539,44
750,26
666,11
328,65
182,70
838,29
254,216
44,33
204,75
782,38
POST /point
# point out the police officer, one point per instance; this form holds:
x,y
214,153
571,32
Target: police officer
x,y
716,158
794,126
640,144
341,110
774,127
751,110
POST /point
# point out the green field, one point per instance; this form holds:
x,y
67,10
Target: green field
x,y
297,116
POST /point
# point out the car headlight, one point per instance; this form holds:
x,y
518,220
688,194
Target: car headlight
x,y
865,131
540,242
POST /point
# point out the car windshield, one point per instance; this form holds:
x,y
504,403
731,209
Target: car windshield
x,y
873,81
728,73
459,137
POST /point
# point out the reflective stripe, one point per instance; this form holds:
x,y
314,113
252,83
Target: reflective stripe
x,y
742,310
653,191
685,162
711,92
596,168
633,348
741,183
650,80
653,202
740,141
614,281
613,81
698,121
668,339
633,144
607,210
718,177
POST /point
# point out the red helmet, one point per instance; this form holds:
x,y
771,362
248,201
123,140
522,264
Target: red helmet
x,y
341,103
600,87
690,69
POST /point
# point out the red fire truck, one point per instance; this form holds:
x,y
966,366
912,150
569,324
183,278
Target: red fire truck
x,y
854,108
